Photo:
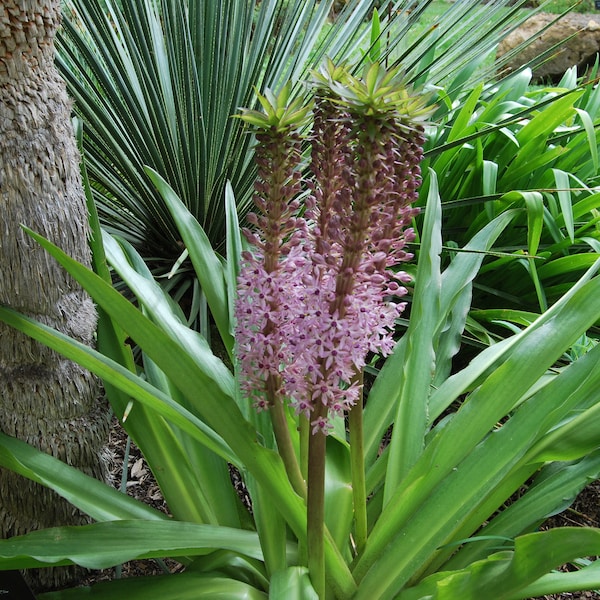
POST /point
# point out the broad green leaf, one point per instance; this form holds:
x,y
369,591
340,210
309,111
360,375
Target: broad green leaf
x,y
546,340
463,119
98,500
120,377
103,545
234,252
271,528
209,269
569,79
506,576
566,264
501,314
586,578
535,220
564,197
571,440
292,584
236,566
183,586
553,490
590,131
410,421
450,332
338,492
490,176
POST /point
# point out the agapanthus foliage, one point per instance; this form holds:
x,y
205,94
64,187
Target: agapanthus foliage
x,y
319,290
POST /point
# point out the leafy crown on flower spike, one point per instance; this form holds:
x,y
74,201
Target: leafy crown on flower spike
x,y
379,92
279,114
323,78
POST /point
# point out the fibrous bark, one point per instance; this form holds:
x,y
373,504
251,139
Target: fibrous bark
x,y
45,400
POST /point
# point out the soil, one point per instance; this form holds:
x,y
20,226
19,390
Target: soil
x,y
584,512
140,484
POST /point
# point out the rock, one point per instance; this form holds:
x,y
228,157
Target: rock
x,y
582,32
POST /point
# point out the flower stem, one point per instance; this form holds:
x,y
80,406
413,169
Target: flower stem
x,y
316,506
284,442
304,426
357,463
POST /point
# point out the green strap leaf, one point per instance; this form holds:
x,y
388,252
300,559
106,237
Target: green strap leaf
x,y
410,422
576,438
103,545
292,584
508,575
587,578
564,197
590,131
209,269
535,219
93,497
183,586
461,123
234,252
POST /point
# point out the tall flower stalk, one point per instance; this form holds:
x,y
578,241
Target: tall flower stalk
x,y
267,285
317,292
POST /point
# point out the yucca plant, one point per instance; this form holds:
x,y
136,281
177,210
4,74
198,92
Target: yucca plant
x,y
156,84
425,514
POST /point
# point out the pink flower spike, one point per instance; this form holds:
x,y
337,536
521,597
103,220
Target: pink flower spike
x,y
318,291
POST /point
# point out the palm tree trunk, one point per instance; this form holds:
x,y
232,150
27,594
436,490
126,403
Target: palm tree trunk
x,y
45,400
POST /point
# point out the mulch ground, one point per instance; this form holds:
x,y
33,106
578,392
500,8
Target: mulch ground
x,y
140,484
584,512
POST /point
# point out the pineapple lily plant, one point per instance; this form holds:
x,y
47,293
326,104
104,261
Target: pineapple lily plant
x,y
407,491
312,296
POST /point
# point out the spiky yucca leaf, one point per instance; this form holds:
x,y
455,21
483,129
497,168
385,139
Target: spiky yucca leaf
x,y
156,84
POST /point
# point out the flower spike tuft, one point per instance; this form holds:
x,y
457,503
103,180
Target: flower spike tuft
x,y
279,114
